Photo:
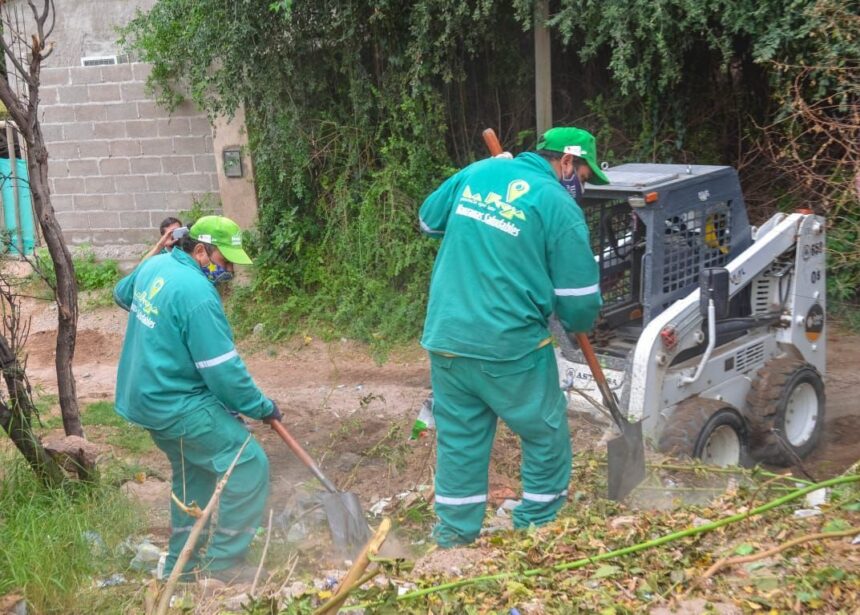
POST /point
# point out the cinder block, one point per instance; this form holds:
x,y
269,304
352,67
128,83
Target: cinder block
x,y
156,147
205,163
53,133
109,130
69,185
177,164
93,149
200,126
62,202
134,219
100,185
104,92
78,131
85,74
104,219
89,202
68,219
194,183
90,113
83,168
49,96
146,201
62,151
53,114
133,90
141,128
125,147
173,127
121,111
117,72
141,71
114,166
162,183
58,168
146,165
119,202
72,94
130,184
191,145
148,109
54,76
179,201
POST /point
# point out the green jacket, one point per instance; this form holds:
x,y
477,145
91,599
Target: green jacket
x,y
178,355
515,250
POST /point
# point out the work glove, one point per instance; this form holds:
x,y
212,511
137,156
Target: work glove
x,y
275,415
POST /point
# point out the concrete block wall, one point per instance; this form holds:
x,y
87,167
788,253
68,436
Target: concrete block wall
x,y
119,164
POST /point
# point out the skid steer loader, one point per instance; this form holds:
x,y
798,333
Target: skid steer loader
x,y
712,331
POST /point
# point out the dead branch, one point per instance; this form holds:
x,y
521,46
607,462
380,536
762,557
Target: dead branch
x,y
185,554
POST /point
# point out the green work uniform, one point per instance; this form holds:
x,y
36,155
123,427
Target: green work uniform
x,y
178,375
515,249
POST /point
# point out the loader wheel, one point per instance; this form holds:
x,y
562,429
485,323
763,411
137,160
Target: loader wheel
x,y
709,430
786,411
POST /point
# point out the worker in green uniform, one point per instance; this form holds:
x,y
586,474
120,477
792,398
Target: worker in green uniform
x,y
514,250
179,376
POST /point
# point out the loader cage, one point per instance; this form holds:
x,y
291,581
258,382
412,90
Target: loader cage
x,y
651,256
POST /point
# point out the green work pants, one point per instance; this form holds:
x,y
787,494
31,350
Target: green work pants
x,y
470,396
200,447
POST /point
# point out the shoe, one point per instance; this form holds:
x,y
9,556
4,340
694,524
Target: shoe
x,y
237,575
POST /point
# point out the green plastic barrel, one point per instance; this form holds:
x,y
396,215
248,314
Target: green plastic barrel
x,y
24,235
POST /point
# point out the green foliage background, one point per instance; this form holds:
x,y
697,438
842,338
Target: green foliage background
x,y
356,110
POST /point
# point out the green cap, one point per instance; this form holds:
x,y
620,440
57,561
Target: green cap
x,y
222,233
580,143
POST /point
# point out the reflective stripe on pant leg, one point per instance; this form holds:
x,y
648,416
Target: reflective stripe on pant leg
x,y
465,428
544,497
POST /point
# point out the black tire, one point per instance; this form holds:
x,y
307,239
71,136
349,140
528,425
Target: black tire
x,y
698,425
785,408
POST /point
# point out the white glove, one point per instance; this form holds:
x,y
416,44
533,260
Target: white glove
x,y
506,155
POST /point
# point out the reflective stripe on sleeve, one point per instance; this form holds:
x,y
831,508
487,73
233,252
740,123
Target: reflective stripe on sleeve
x,y
472,499
578,292
217,360
429,230
543,497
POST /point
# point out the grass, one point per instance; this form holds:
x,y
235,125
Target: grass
x,y
119,432
46,554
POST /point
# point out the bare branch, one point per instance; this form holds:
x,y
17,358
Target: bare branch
x,y
25,75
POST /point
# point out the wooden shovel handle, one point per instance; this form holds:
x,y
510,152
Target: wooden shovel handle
x,y
600,379
299,452
492,142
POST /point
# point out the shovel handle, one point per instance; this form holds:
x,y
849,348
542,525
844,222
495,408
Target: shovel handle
x,y
299,452
492,142
600,379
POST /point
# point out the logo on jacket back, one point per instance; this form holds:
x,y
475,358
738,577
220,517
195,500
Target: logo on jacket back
x,y
498,213
143,307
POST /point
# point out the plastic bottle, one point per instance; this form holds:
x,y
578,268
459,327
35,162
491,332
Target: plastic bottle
x,y
425,421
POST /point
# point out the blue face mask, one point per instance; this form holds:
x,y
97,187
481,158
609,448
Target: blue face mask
x,y
573,186
215,273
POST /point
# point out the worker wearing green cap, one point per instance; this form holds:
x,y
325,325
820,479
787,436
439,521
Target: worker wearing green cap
x,y
514,250
179,376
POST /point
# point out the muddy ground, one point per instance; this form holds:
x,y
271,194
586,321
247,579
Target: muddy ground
x,y
355,415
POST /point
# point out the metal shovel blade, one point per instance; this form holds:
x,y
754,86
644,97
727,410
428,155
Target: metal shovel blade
x,y
626,456
346,521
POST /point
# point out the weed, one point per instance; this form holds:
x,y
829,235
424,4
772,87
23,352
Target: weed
x,y
48,537
204,205
90,273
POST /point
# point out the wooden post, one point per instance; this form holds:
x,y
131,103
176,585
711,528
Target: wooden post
x,y
543,69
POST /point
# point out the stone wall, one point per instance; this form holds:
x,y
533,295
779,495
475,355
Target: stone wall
x,y
118,164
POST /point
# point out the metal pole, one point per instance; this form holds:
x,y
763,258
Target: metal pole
x,y
13,164
543,69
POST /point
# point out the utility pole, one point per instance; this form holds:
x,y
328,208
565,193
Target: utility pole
x,y
543,69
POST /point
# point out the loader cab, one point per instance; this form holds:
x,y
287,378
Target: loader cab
x,y
654,228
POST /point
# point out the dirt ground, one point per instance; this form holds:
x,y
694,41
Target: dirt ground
x,y
355,415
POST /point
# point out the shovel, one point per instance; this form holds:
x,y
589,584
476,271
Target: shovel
x,y
346,520
626,453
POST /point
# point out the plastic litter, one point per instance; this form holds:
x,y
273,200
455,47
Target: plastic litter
x,y
425,421
111,581
146,558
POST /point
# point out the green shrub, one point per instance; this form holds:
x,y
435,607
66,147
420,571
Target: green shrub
x,y
90,273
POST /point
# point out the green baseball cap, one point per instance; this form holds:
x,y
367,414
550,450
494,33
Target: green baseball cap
x,y
580,143
222,233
